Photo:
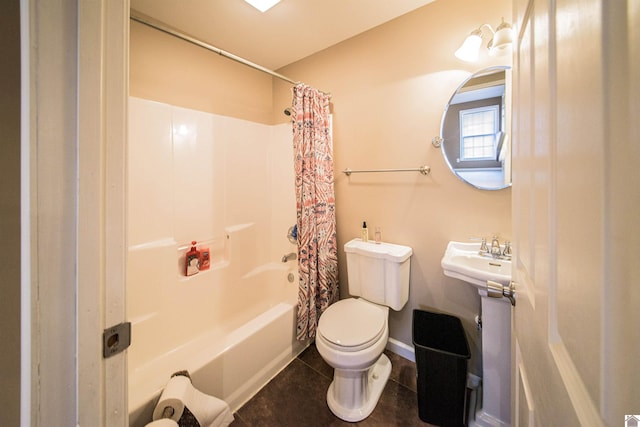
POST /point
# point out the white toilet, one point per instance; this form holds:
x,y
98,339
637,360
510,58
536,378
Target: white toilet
x,y
352,333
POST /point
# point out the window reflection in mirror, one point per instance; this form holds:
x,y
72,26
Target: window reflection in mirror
x,y
475,130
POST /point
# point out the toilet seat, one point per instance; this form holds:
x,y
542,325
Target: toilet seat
x,y
352,324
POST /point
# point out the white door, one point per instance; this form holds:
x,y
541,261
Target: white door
x,y
576,204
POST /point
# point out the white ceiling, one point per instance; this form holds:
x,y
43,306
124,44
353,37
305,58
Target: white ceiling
x,y
291,30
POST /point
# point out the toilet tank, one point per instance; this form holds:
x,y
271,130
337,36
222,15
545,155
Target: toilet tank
x,y
379,273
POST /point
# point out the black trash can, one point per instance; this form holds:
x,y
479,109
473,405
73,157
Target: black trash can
x,y
442,353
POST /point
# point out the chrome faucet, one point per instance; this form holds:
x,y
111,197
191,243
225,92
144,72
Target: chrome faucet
x,y
495,247
495,250
290,256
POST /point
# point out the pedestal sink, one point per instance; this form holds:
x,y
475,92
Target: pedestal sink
x,y
463,261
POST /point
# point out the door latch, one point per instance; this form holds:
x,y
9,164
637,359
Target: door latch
x,y
497,290
116,339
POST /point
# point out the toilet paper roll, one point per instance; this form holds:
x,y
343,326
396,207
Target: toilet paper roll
x,y
176,395
179,394
165,422
209,411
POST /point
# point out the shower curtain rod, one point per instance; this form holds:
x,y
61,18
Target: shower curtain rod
x,y
207,46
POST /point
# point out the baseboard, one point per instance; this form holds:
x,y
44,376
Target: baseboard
x,y
401,349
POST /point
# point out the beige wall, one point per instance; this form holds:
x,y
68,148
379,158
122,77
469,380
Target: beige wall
x,y
10,214
389,87
166,69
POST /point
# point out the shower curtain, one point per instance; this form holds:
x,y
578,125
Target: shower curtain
x,y
315,204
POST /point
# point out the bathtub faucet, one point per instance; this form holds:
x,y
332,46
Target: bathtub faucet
x,y
289,257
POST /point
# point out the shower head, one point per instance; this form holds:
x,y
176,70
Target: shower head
x,y
288,111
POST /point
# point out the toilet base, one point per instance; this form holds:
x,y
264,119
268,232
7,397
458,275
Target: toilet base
x,y
353,395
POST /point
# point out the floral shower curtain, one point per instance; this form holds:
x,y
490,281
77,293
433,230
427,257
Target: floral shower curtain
x,y
315,203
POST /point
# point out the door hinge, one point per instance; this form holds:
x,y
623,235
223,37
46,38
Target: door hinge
x,y
116,339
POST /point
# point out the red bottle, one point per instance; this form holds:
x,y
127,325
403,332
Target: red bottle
x,y
205,258
192,260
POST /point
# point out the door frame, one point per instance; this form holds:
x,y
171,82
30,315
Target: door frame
x,y
74,85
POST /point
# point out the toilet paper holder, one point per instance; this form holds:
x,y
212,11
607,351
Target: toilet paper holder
x,y
168,411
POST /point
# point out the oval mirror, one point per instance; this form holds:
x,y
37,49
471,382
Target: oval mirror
x,y
476,127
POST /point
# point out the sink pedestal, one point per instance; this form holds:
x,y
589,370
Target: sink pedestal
x,y
496,363
465,262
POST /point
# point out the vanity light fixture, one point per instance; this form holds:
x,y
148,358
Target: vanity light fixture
x,y
263,5
500,43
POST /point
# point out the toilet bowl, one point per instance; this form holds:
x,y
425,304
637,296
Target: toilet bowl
x,y
354,349
352,333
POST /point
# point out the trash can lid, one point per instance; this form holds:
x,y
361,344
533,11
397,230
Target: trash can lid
x,y
352,324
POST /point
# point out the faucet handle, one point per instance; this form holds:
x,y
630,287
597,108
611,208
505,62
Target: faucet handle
x,y
483,246
507,248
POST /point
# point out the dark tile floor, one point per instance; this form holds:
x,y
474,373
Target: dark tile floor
x,y
298,397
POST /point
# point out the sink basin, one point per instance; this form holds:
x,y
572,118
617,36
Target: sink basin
x,y
463,261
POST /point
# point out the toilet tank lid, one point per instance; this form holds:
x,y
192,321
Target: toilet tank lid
x,y
390,251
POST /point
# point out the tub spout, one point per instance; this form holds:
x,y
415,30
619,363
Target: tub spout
x,y
289,257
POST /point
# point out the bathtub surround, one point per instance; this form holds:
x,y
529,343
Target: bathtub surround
x,y
315,208
190,178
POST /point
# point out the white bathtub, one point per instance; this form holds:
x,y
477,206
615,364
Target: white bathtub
x,y
233,360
